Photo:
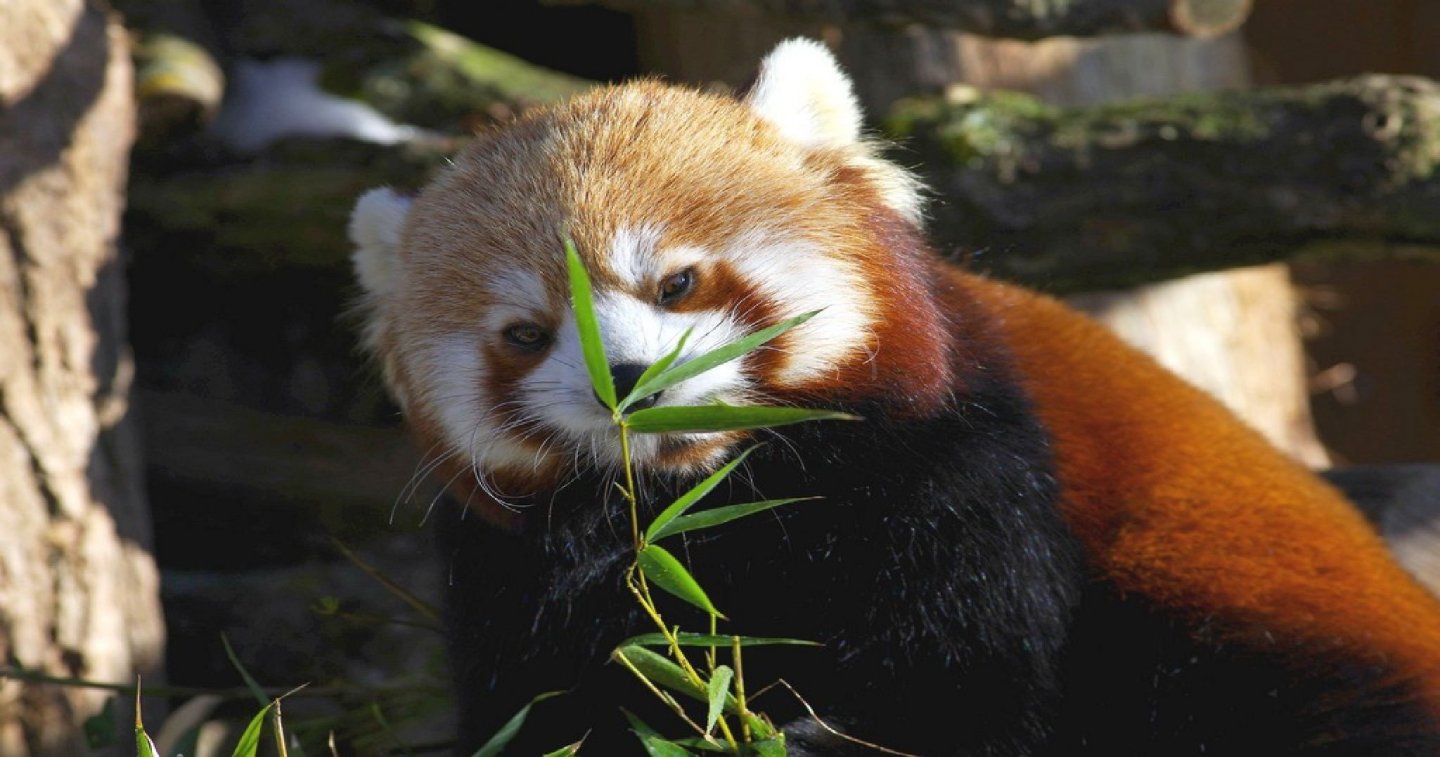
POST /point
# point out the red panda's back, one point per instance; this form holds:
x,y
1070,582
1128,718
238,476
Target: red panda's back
x,y
1179,502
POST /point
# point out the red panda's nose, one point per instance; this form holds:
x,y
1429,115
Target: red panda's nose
x,y
625,376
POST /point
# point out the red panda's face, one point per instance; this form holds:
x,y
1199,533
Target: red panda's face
x,y
693,214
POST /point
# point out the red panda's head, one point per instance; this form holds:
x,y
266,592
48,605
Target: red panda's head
x,y
692,212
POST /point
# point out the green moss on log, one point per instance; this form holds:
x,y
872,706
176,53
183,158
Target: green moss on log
x,y
1148,189
445,81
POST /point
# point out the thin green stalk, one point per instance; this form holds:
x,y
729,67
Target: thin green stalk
x,y
630,485
642,596
666,698
710,654
740,688
278,727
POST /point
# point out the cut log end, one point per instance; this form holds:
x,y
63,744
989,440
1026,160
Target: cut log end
x,y
1208,18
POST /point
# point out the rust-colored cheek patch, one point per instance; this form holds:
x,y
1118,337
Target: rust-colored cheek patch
x,y
718,287
506,367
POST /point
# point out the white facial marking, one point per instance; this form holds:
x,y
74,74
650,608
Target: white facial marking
x,y
799,277
452,374
790,275
558,391
632,254
519,296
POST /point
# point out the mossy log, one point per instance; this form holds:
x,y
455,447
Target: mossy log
x,y
178,83
412,72
1120,194
288,211
1015,19
1067,199
424,75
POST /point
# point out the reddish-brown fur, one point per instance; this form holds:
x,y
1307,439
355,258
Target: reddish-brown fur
x,y
1180,502
1175,500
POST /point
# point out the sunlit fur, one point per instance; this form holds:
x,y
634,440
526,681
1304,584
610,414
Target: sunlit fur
x,y
1038,541
480,250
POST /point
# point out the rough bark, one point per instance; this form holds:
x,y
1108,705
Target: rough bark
x,y
1145,190
1014,19
78,589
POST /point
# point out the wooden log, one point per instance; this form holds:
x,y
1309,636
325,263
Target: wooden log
x,y
294,204
1014,19
1068,199
1131,192
336,470
178,84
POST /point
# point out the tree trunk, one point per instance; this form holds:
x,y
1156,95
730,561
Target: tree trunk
x,y
79,594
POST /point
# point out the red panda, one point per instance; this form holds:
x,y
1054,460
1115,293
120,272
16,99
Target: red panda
x,y
1037,542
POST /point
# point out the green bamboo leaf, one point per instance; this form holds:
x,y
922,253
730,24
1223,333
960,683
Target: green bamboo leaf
x,y
507,732
658,747
686,639
761,728
637,726
695,743
660,671
770,747
716,516
716,689
645,733
249,741
689,498
701,363
144,747
666,572
582,302
661,420
569,750
641,391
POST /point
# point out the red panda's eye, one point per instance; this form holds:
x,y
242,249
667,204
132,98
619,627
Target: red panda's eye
x,y
527,336
676,285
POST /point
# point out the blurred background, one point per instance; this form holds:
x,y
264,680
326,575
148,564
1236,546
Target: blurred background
x,y
191,446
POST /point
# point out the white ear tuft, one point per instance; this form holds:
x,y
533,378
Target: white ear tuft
x,y
375,230
803,92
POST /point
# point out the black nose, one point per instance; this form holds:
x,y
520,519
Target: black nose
x,y
625,376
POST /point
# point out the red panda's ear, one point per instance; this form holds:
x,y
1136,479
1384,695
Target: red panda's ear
x,y
802,91
375,231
